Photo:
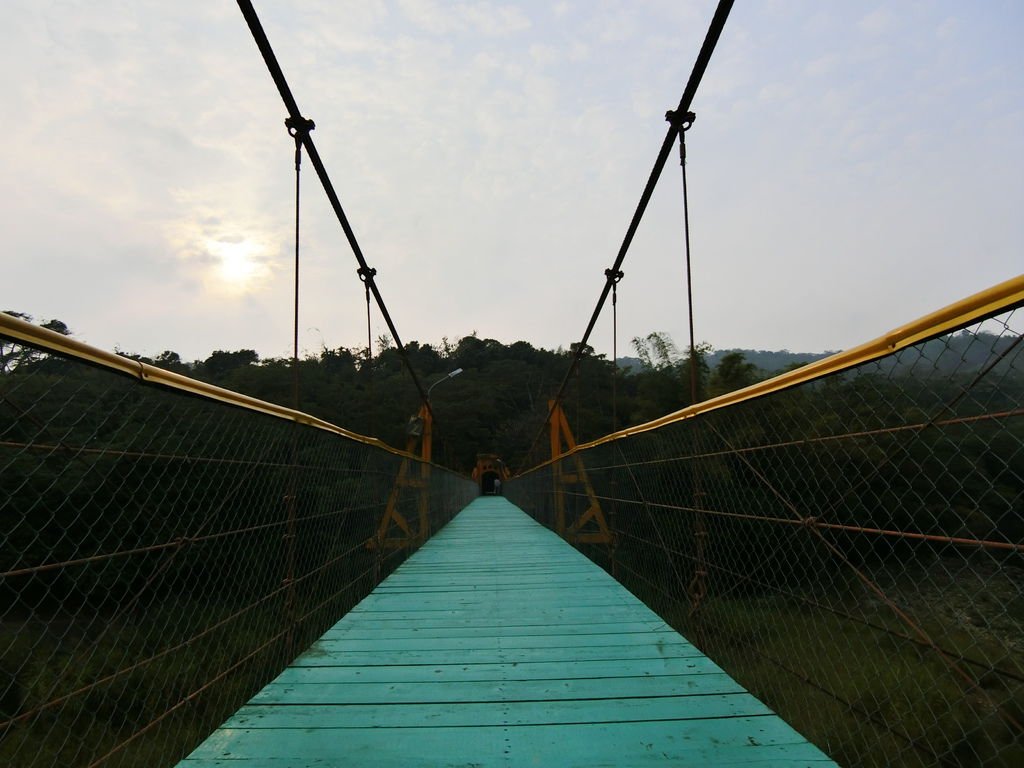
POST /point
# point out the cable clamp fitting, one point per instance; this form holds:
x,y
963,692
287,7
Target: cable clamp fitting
x,y
366,274
682,122
300,127
614,275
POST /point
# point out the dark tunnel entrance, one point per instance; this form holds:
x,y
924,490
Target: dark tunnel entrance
x,y
490,484
490,472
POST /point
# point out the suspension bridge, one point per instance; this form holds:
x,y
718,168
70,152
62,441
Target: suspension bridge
x,y
821,568
454,659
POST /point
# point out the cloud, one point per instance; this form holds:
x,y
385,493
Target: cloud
x,y
775,92
822,66
230,256
486,19
489,157
878,22
948,28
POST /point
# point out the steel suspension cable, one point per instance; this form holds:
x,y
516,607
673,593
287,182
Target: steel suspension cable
x,y
366,273
296,130
614,509
369,349
685,125
698,586
616,278
696,75
579,399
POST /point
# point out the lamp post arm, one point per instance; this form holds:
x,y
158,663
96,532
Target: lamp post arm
x,y
451,375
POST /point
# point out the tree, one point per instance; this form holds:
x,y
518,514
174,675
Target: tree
x,y
57,326
221,363
13,353
656,351
424,359
664,384
733,372
701,352
339,362
171,361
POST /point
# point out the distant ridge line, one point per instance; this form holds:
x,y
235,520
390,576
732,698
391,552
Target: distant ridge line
x,y
769,361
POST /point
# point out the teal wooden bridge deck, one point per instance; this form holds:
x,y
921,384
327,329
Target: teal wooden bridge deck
x,y
498,644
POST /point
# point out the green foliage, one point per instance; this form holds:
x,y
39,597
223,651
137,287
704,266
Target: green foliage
x,y
13,354
656,351
220,364
733,372
856,538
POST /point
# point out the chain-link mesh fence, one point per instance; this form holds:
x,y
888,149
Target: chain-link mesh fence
x,y
165,554
848,548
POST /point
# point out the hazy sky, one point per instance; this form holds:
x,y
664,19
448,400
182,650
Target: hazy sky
x,y
853,166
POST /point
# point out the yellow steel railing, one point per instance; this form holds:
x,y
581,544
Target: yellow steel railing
x,y
167,547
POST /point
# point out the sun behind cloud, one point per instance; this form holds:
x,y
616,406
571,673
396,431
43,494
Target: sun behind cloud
x,y
239,266
231,254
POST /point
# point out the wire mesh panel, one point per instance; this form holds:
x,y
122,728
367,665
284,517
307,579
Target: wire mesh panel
x,y
164,555
848,548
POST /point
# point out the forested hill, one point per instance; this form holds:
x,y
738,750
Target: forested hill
x,y
500,401
497,404
765,360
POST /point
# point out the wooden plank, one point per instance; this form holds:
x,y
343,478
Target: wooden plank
x,y
474,714
543,670
740,741
442,690
665,638
482,628
537,614
497,644
321,658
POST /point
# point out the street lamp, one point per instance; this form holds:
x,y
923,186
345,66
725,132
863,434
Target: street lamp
x,y
427,417
451,375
